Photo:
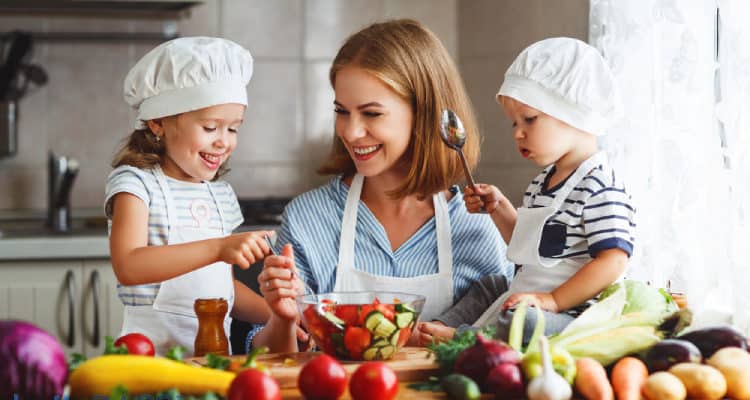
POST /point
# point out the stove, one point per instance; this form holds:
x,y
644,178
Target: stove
x,y
263,210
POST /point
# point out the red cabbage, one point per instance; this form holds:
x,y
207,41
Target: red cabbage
x,y
477,361
32,362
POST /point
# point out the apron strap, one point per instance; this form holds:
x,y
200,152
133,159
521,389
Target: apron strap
x,y
349,224
169,203
443,228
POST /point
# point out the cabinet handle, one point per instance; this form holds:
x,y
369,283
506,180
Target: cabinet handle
x,y
71,341
94,283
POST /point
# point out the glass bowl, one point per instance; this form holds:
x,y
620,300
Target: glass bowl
x,y
360,325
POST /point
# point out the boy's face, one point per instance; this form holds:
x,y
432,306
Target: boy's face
x,y
199,142
372,121
541,138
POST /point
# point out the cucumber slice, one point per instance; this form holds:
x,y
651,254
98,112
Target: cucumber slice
x,y
404,318
332,318
380,342
387,351
373,319
384,329
400,307
394,338
371,353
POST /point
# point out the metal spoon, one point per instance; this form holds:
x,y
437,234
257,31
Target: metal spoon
x,y
454,136
271,241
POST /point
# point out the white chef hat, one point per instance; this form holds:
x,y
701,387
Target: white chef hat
x,y
187,74
568,80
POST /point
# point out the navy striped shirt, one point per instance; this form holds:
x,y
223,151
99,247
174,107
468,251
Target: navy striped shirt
x,y
597,215
143,184
312,223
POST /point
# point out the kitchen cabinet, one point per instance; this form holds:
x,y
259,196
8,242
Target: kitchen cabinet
x,y
76,300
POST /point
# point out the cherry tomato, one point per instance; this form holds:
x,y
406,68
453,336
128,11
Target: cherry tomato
x,y
348,313
253,384
322,378
356,340
373,381
136,343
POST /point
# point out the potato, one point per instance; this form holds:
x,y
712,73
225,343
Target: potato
x,y
701,381
664,386
734,364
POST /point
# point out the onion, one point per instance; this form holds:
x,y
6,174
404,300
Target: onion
x,y
477,361
32,362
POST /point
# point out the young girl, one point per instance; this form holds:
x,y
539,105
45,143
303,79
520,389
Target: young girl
x,y
171,219
574,233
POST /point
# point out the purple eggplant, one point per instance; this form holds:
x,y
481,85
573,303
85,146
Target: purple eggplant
x,y
709,340
669,352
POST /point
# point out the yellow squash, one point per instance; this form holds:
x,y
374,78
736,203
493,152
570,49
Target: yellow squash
x,y
143,375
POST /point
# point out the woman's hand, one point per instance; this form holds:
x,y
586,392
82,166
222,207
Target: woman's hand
x,y
243,249
279,286
426,333
487,196
545,301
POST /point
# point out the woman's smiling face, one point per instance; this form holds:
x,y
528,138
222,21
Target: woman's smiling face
x,y
372,121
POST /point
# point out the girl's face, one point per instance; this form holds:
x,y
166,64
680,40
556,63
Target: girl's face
x,y
199,142
372,121
540,138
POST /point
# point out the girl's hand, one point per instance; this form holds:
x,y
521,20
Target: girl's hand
x,y
243,249
545,301
487,196
426,333
278,285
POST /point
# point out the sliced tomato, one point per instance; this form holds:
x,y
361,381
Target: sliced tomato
x,y
364,311
348,313
403,335
388,310
356,340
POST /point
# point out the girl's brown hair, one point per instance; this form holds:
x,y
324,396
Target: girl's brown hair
x,y
143,150
412,61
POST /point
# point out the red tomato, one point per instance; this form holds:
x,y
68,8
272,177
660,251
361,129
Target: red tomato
x,y
322,378
403,336
356,340
373,381
136,343
253,384
388,310
348,313
363,312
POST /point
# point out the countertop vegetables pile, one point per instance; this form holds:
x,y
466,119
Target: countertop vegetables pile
x,y
624,347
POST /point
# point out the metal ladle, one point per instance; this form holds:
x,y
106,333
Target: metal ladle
x,y
454,136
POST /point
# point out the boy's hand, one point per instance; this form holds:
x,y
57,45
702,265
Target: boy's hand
x,y
545,301
278,285
243,249
426,333
487,198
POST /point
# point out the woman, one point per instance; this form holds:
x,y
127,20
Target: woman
x,y
391,218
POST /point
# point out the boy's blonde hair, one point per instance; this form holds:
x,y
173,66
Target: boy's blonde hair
x,y
142,150
412,61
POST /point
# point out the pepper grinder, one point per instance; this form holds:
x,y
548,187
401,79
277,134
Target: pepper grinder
x,y
211,337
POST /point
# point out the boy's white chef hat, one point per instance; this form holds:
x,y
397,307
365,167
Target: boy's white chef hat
x,y
188,74
568,80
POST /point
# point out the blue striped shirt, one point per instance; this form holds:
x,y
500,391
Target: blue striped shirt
x,y
144,185
597,215
312,223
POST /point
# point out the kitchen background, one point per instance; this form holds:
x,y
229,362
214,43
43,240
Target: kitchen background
x,y
80,112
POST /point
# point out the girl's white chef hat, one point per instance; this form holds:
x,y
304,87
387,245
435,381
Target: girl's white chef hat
x,y
188,74
568,80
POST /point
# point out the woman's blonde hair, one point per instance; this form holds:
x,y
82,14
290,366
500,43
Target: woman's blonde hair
x,y
142,149
412,61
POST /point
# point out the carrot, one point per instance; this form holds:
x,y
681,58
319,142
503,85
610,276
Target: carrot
x,y
628,377
591,380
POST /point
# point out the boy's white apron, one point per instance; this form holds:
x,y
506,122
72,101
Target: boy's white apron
x,y
172,320
537,273
437,288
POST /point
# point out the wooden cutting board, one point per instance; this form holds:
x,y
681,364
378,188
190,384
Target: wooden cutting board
x,y
410,364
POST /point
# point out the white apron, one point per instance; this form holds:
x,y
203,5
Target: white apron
x,y
172,320
436,288
537,273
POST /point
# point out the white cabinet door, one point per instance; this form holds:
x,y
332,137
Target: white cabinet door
x,y
102,310
47,293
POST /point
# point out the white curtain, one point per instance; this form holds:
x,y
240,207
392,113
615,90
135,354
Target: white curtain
x,y
684,70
